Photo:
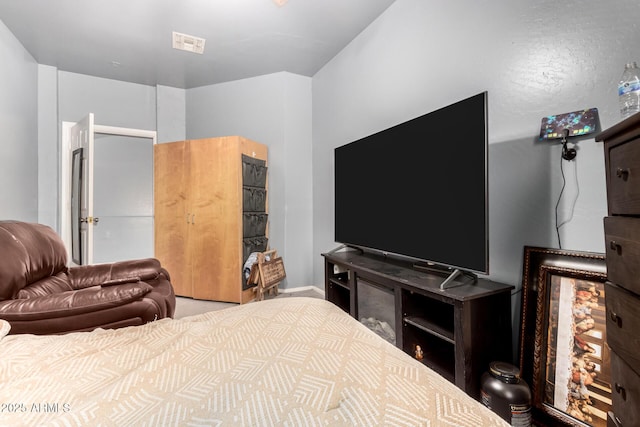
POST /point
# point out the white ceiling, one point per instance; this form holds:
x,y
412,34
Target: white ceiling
x,y
130,40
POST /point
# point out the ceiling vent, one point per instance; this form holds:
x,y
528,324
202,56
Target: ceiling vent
x,y
188,43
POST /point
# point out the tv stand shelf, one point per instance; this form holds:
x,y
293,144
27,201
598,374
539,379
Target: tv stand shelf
x,y
460,330
430,328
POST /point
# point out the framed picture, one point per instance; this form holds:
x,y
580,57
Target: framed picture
x,y
563,352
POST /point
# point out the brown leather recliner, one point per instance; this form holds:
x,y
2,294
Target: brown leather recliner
x,y
39,294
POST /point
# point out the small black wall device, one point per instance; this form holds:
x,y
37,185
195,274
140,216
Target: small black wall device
x,y
576,123
569,125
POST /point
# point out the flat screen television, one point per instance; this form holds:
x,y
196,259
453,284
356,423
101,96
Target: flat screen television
x,y
419,189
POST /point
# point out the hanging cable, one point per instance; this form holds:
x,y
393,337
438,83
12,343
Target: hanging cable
x,y
564,183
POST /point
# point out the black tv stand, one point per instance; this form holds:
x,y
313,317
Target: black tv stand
x,y
461,330
451,275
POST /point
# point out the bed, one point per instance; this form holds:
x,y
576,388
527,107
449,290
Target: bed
x,y
289,361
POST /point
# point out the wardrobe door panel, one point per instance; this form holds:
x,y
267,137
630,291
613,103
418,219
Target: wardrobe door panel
x,y
171,187
218,222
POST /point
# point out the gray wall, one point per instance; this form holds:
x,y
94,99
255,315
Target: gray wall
x,y
170,111
18,127
48,149
274,110
113,103
533,58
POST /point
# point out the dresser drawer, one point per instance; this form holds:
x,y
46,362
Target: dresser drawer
x,y
622,245
623,190
623,324
625,392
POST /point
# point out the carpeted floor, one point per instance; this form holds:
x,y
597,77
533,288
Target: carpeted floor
x,y
188,306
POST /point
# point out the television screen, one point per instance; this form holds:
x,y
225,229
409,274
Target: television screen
x,y
419,189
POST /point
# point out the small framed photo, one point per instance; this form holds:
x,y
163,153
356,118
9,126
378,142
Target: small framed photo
x,y
563,352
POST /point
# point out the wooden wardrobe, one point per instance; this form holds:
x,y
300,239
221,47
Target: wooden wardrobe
x,y
202,191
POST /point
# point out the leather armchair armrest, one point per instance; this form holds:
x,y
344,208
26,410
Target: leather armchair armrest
x,y
84,276
70,303
120,281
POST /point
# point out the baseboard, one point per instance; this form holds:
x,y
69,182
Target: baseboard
x,y
302,289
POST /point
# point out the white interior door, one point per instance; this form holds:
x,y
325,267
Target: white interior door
x,y
82,137
131,185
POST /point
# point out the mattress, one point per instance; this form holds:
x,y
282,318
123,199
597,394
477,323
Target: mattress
x,y
289,361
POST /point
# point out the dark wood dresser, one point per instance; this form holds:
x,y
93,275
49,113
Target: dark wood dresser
x,y
622,290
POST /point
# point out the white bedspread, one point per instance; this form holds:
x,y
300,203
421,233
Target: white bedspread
x,y
287,361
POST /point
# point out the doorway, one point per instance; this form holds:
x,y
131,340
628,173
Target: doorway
x,y
118,221
122,198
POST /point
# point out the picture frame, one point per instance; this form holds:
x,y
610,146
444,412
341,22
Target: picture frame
x,y
563,356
